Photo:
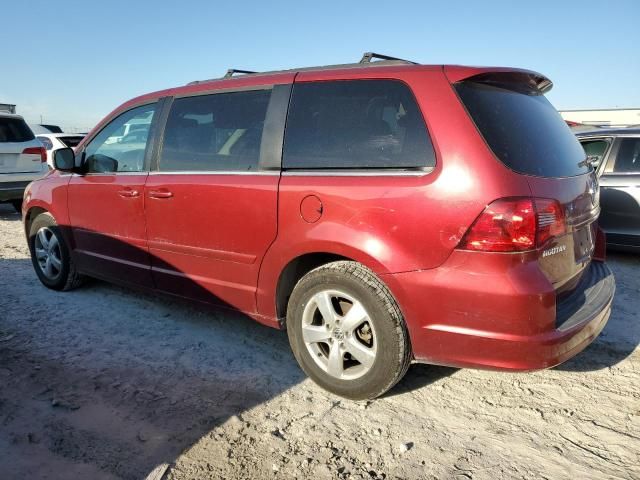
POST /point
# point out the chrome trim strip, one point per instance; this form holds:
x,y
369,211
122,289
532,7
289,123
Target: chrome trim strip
x,y
357,173
216,172
142,173
613,174
604,135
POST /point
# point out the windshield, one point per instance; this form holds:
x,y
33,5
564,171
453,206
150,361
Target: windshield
x,y
523,129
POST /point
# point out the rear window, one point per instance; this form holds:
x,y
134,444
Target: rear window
x,y
14,130
355,124
70,141
523,129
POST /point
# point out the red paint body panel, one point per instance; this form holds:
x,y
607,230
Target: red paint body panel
x,y
226,239
212,234
108,219
488,310
50,194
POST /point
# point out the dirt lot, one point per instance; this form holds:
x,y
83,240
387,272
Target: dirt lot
x,y
107,383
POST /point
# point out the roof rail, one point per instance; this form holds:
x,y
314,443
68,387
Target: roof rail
x,y
233,71
367,60
369,56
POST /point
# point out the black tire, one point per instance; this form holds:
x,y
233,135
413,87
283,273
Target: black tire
x,y
68,277
17,205
393,354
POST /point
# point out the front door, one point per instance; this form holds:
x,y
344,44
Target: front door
x,y
210,206
106,202
620,193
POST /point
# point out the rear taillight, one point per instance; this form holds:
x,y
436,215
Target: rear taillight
x,y
515,225
551,221
36,151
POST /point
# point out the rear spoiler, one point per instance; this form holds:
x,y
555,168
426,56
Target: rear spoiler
x,y
512,77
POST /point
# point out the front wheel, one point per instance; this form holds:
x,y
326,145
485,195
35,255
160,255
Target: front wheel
x,y
347,332
50,255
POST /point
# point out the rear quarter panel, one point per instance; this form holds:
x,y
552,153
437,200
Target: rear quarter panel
x,y
391,223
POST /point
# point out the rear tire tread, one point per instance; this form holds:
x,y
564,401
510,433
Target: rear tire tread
x,y
372,283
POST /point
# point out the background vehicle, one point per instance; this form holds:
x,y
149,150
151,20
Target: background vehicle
x,y
382,212
615,154
22,158
55,141
137,128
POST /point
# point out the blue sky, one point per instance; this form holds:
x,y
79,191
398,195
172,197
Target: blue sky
x,y
73,62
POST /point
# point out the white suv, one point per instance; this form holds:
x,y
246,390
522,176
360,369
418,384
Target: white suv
x,y
56,141
22,158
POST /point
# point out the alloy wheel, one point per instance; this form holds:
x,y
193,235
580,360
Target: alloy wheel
x,y
339,334
47,252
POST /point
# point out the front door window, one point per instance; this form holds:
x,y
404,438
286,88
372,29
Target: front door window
x,y
121,145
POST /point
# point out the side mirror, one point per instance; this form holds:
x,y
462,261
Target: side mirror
x,y
64,159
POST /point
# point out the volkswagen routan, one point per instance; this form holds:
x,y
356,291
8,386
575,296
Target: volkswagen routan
x,y
381,212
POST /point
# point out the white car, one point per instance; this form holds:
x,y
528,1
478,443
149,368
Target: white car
x,y
22,158
56,141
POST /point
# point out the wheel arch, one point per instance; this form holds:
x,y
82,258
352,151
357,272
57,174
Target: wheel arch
x,y
281,271
30,216
293,271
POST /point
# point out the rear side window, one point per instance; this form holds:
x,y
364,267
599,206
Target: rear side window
x,y
220,132
355,124
14,130
523,129
628,158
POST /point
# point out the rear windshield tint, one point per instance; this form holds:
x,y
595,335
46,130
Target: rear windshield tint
x,y
523,129
14,130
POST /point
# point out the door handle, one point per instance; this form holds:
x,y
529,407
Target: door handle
x,y
128,193
160,193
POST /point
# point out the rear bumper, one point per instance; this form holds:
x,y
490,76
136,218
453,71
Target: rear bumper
x,y
500,316
12,190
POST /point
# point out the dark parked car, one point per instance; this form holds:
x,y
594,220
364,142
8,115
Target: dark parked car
x,y
382,212
615,153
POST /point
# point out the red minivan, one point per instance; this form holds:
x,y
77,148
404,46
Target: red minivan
x,y
383,212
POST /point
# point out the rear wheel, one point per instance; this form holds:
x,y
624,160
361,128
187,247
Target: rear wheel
x,y
347,332
50,254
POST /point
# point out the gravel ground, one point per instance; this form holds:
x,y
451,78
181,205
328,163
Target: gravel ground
x,y
107,383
